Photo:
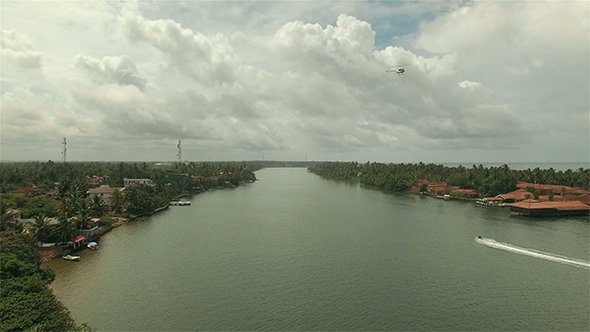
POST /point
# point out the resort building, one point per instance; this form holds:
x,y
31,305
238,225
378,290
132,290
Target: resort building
x,y
538,208
544,189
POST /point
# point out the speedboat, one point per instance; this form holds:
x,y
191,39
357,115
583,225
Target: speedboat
x,y
92,245
71,258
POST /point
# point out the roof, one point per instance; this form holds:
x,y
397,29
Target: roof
x,y
102,190
581,198
562,206
79,238
577,190
555,187
25,190
519,194
468,191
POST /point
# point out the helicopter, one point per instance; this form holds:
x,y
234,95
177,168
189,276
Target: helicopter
x,y
396,69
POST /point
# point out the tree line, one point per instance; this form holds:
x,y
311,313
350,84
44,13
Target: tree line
x,y
73,208
487,181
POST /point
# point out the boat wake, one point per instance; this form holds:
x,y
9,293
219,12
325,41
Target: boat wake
x,y
533,253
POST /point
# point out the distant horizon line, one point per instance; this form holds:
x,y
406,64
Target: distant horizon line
x,y
300,161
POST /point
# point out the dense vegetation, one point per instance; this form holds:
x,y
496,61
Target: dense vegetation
x,y
488,181
26,302
44,175
73,208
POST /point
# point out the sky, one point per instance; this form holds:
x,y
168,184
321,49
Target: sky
x,y
489,81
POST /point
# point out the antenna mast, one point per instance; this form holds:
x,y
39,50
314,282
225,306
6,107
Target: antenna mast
x,y
179,154
63,152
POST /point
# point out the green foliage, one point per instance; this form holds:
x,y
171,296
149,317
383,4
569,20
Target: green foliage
x,y
40,205
97,206
400,177
139,199
424,187
26,302
64,230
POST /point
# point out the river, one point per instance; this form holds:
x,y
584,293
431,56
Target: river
x,y
294,251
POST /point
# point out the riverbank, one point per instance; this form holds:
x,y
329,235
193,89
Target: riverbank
x,y
52,252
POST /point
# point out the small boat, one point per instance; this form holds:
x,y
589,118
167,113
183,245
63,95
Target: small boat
x,y
92,245
71,258
180,203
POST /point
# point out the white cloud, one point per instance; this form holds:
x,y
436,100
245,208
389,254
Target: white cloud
x,y
467,84
120,70
204,59
20,61
236,79
511,32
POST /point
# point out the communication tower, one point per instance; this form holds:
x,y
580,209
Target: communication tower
x,y
179,154
64,150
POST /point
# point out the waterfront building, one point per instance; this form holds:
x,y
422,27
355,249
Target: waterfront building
x,y
537,208
104,192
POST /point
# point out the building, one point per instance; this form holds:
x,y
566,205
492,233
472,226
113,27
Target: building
x,y
469,193
104,192
491,201
27,192
536,208
557,189
515,196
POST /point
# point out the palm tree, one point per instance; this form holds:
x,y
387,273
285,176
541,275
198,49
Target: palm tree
x,y
117,200
40,228
64,230
97,206
83,213
65,206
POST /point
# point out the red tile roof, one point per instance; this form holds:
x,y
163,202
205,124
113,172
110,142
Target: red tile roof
x,y
544,187
519,194
562,206
580,198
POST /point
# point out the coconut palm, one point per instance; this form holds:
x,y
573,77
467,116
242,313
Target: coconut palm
x,y
97,206
40,229
83,212
64,230
65,206
117,200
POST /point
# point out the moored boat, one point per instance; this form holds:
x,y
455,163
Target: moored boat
x,y
180,203
71,258
92,245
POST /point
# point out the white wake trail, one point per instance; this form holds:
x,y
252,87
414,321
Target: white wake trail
x,y
533,253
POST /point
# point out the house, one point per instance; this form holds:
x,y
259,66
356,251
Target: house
x,y
440,188
27,192
470,193
104,192
536,208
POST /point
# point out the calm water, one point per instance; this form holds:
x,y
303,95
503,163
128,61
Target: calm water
x,y
296,252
